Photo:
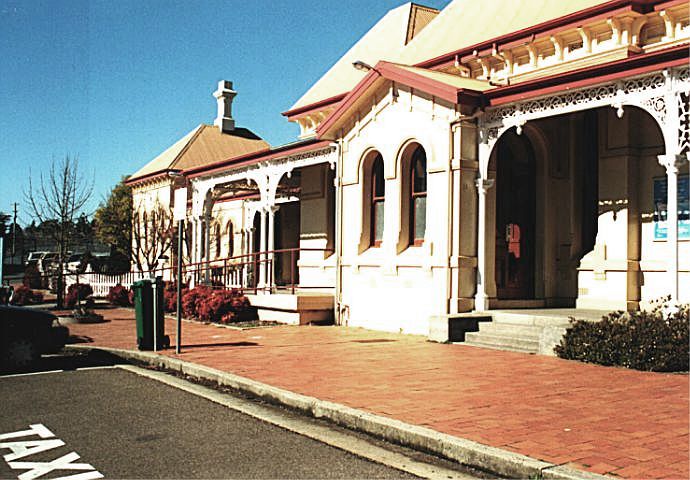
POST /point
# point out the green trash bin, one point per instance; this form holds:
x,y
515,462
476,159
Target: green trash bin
x,y
144,299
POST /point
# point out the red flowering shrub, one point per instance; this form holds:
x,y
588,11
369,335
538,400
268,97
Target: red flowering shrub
x,y
192,299
130,297
223,306
119,296
170,296
23,295
170,300
77,292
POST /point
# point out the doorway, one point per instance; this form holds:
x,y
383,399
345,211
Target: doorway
x,y
515,218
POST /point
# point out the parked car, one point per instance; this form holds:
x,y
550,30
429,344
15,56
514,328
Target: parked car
x,y
74,263
34,257
26,334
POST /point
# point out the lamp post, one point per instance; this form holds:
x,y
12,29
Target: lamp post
x,y
179,214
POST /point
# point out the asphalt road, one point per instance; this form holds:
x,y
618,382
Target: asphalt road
x,y
123,425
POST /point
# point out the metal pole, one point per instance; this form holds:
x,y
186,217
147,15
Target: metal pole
x,y
180,228
2,259
14,233
154,285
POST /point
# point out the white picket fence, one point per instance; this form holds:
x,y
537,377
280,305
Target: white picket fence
x,y
101,283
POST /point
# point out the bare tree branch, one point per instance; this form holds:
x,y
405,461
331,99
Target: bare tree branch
x,y
59,199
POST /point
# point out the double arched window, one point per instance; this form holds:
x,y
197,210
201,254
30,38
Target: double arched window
x,y
378,200
417,196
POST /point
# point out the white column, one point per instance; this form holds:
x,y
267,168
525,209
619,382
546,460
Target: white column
x,y
672,164
249,244
207,248
262,249
270,267
481,299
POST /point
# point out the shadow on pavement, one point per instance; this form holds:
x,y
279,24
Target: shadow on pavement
x,y
69,360
228,344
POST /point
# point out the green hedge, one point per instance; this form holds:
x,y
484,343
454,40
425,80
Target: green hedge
x,y
640,340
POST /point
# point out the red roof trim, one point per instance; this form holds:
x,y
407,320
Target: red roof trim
x,y
428,85
669,4
373,75
256,157
148,176
395,73
641,6
639,64
312,107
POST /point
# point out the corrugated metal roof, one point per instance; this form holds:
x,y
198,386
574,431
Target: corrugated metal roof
x,y
461,24
203,146
464,23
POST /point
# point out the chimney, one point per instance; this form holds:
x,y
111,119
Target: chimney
x,y
224,96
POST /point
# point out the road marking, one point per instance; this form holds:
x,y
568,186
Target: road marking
x,y
102,367
320,433
31,374
38,469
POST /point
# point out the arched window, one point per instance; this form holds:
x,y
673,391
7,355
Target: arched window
x,y
378,198
417,181
231,240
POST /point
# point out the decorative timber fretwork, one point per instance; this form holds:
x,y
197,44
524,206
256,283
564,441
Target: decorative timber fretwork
x,y
659,94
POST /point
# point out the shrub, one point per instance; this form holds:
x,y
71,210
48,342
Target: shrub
x,y
77,292
32,277
119,296
191,299
23,295
640,340
209,305
170,300
223,306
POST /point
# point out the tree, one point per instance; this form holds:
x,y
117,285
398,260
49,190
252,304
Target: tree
x,y
152,235
114,220
59,197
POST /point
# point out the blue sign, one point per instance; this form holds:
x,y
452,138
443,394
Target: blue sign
x,y
660,198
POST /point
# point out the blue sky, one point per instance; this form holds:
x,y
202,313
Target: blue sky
x,y
117,82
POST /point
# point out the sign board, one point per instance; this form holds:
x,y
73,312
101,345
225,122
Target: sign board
x,y
660,199
180,205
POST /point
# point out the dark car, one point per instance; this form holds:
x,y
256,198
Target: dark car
x,y
27,333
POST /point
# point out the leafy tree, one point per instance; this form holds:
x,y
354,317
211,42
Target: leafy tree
x,y
113,220
59,198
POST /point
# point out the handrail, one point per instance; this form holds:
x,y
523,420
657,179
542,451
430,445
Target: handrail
x,y
239,271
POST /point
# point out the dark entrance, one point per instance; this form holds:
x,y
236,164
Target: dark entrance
x,y
515,217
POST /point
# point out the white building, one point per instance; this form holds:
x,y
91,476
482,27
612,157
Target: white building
x,y
503,154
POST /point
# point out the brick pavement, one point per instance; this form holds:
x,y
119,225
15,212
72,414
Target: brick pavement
x,y
601,419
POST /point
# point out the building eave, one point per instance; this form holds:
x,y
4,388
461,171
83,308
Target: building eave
x,y
257,157
394,73
556,24
314,107
604,73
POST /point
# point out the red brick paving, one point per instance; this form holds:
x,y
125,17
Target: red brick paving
x,y
605,420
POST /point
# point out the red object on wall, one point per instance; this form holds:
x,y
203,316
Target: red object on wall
x,y
514,239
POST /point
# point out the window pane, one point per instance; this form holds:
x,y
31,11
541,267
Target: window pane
x,y
378,214
379,181
420,176
419,218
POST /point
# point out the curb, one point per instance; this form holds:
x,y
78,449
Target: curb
x,y
466,452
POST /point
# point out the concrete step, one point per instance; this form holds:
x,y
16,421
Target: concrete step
x,y
502,342
529,319
491,346
511,329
